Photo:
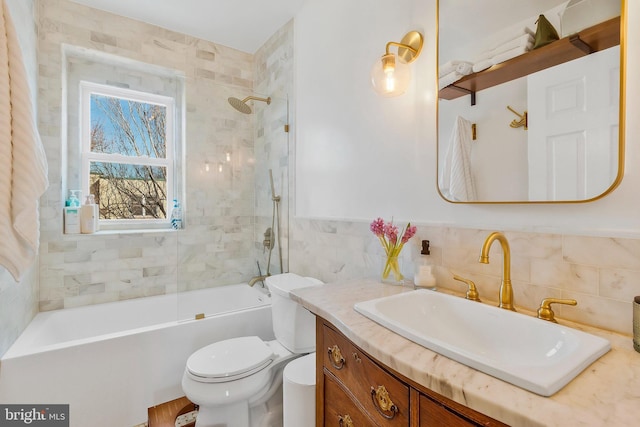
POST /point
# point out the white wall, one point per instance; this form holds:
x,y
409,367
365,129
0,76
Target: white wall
x,y
359,156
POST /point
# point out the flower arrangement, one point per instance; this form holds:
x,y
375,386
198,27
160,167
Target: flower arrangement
x,y
392,242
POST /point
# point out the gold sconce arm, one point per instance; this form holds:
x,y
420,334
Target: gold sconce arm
x,y
409,47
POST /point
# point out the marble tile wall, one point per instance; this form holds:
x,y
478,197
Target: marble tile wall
x,y
215,248
600,273
273,72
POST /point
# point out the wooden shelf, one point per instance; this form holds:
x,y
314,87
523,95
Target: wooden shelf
x,y
593,39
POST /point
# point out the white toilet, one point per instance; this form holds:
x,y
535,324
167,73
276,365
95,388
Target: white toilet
x,y
230,380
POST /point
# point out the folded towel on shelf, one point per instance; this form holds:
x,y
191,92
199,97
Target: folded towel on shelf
x,y
509,54
513,35
506,51
525,40
482,65
464,68
453,65
23,165
450,78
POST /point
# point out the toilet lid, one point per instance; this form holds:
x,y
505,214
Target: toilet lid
x,y
230,359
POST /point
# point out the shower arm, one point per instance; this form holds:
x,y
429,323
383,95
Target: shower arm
x,y
256,98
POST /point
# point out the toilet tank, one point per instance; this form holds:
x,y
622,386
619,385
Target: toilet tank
x,y
293,325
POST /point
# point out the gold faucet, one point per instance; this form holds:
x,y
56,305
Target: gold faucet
x,y
257,279
506,290
472,290
546,313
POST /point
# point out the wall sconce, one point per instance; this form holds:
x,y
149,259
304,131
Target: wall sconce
x,y
391,75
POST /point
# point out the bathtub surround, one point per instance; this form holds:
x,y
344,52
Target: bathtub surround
x,y
220,242
273,76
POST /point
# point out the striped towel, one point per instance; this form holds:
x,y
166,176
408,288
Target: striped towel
x,y
23,165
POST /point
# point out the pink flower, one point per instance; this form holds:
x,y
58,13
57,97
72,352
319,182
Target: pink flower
x,y
388,234
409,233
391,231
377,227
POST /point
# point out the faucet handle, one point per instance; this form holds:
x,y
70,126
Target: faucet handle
x,y
472,291
546,313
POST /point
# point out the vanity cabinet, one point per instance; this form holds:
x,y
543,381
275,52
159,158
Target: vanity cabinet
x,y
354,390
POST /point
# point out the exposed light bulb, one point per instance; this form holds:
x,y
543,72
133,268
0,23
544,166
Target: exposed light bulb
x,y
220,167
228,156
390,75
390,81
206,166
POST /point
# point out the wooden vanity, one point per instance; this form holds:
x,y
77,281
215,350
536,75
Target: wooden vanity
x,y
355,390
414,386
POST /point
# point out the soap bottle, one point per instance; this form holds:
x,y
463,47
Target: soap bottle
x,y
424,277
176,215
96,212
71,220
88,216
73,198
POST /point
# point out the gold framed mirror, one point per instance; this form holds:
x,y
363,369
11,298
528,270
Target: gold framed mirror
x,y
525,124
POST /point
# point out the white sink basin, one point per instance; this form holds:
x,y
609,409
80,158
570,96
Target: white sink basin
x,y
530,353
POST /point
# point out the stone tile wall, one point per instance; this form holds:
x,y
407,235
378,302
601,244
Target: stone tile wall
x,y
273,72
215,248
601,273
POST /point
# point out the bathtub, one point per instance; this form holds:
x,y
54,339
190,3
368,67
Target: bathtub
x,y
110,362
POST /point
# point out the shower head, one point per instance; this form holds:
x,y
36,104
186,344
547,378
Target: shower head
x,y
242,105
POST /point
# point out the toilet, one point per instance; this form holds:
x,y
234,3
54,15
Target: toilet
x,y
238,382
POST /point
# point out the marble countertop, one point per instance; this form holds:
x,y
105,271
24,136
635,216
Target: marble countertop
x,y
606,393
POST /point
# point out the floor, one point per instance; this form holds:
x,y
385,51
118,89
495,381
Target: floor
x,y
175,413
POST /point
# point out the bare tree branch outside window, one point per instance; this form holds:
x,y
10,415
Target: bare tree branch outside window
x,y
129,189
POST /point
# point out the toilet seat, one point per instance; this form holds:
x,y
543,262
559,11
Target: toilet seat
x,y
229,360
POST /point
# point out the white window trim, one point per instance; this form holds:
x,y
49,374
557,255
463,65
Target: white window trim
x,y
86,90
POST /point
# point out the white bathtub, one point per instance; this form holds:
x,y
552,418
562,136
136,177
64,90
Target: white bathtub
x,y
110,362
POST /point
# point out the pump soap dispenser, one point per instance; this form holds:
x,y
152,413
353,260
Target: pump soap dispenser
x,y
424,277
88,218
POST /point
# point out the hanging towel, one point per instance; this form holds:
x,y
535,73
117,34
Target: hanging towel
x,y
456,179
23,166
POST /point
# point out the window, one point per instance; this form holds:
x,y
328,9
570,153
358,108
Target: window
x,y
127,157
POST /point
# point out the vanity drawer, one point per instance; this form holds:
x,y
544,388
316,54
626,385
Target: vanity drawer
x,y
381,394
438,411
339,408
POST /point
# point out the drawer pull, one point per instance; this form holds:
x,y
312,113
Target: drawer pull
x,y
345,421
335,356
383,403
356,357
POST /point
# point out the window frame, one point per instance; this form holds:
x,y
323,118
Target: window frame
x,y
87,156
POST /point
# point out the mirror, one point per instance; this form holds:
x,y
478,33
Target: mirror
x,y
547,122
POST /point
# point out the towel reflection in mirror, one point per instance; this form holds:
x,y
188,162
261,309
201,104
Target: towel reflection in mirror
x,y
456,179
